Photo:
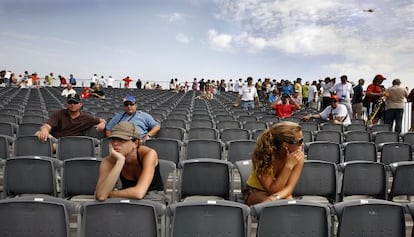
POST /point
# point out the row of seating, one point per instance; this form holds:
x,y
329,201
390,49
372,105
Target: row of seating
x,y
211,177
45,216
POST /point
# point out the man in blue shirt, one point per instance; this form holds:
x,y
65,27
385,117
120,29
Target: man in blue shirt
x,y
146,124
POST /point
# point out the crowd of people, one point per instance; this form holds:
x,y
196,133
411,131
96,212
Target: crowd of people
x,y
278,156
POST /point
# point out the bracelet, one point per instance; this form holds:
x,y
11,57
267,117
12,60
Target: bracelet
x,y
277,196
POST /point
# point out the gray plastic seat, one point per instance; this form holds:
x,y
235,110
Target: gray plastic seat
x,y
209,218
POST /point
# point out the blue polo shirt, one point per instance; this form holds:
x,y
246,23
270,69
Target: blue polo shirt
x,y
143,121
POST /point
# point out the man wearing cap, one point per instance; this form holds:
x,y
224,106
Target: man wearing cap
x,y
134,164
396,96
247,96
70,121
373,96
146,124
334,113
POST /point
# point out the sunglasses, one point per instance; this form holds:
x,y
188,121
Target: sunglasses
x,y
128,104
298,142
73,102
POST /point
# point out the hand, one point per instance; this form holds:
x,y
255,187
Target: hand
x,y
294,157
100,126
235,105
117,155
43,134
307,117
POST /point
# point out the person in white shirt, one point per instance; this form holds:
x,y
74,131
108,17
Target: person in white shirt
x,y
313,97
344,91
94,80
247,96
110,82
68,91
334,113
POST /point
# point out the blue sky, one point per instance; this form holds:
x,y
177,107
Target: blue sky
x,y
158,40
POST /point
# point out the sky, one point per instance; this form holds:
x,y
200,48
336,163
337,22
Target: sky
x,y
156,40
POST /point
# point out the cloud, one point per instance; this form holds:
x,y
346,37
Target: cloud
x,y
173,17
219,42
182,38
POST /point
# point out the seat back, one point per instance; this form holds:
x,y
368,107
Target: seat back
x,y
354,136
75,146
33,218
204,148
80,176
167,149
31,146
205,177
403,179
313,220
240,150
231,134
207,218
202,133
360,151
324,150
121,217
376,217
363,178
28,129
395,151
172,133
318,178
29,175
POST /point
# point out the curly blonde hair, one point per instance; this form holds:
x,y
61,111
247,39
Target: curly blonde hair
x,y
269,142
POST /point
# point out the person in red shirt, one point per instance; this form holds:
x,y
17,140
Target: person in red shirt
x,y
373,98
35,79
86,93
285,106
127,81
62,80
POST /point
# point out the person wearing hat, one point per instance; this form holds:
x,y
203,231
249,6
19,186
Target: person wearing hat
x,y
373,96
70,121
334,113
247,96
134,164
396,96
147,126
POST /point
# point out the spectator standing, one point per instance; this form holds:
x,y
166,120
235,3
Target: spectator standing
x,y
305,94
94,80
344,91
139,83
62,80
374,99
313,97
326,85
247,96
127,80
395,97
357,107
72,80
110,82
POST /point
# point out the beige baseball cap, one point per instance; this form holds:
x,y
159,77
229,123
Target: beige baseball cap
x,y
125,131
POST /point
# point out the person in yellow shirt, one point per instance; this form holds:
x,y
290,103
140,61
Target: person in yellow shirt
x,y
277,161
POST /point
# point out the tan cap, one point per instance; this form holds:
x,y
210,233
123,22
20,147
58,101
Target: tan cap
x,y
125,130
